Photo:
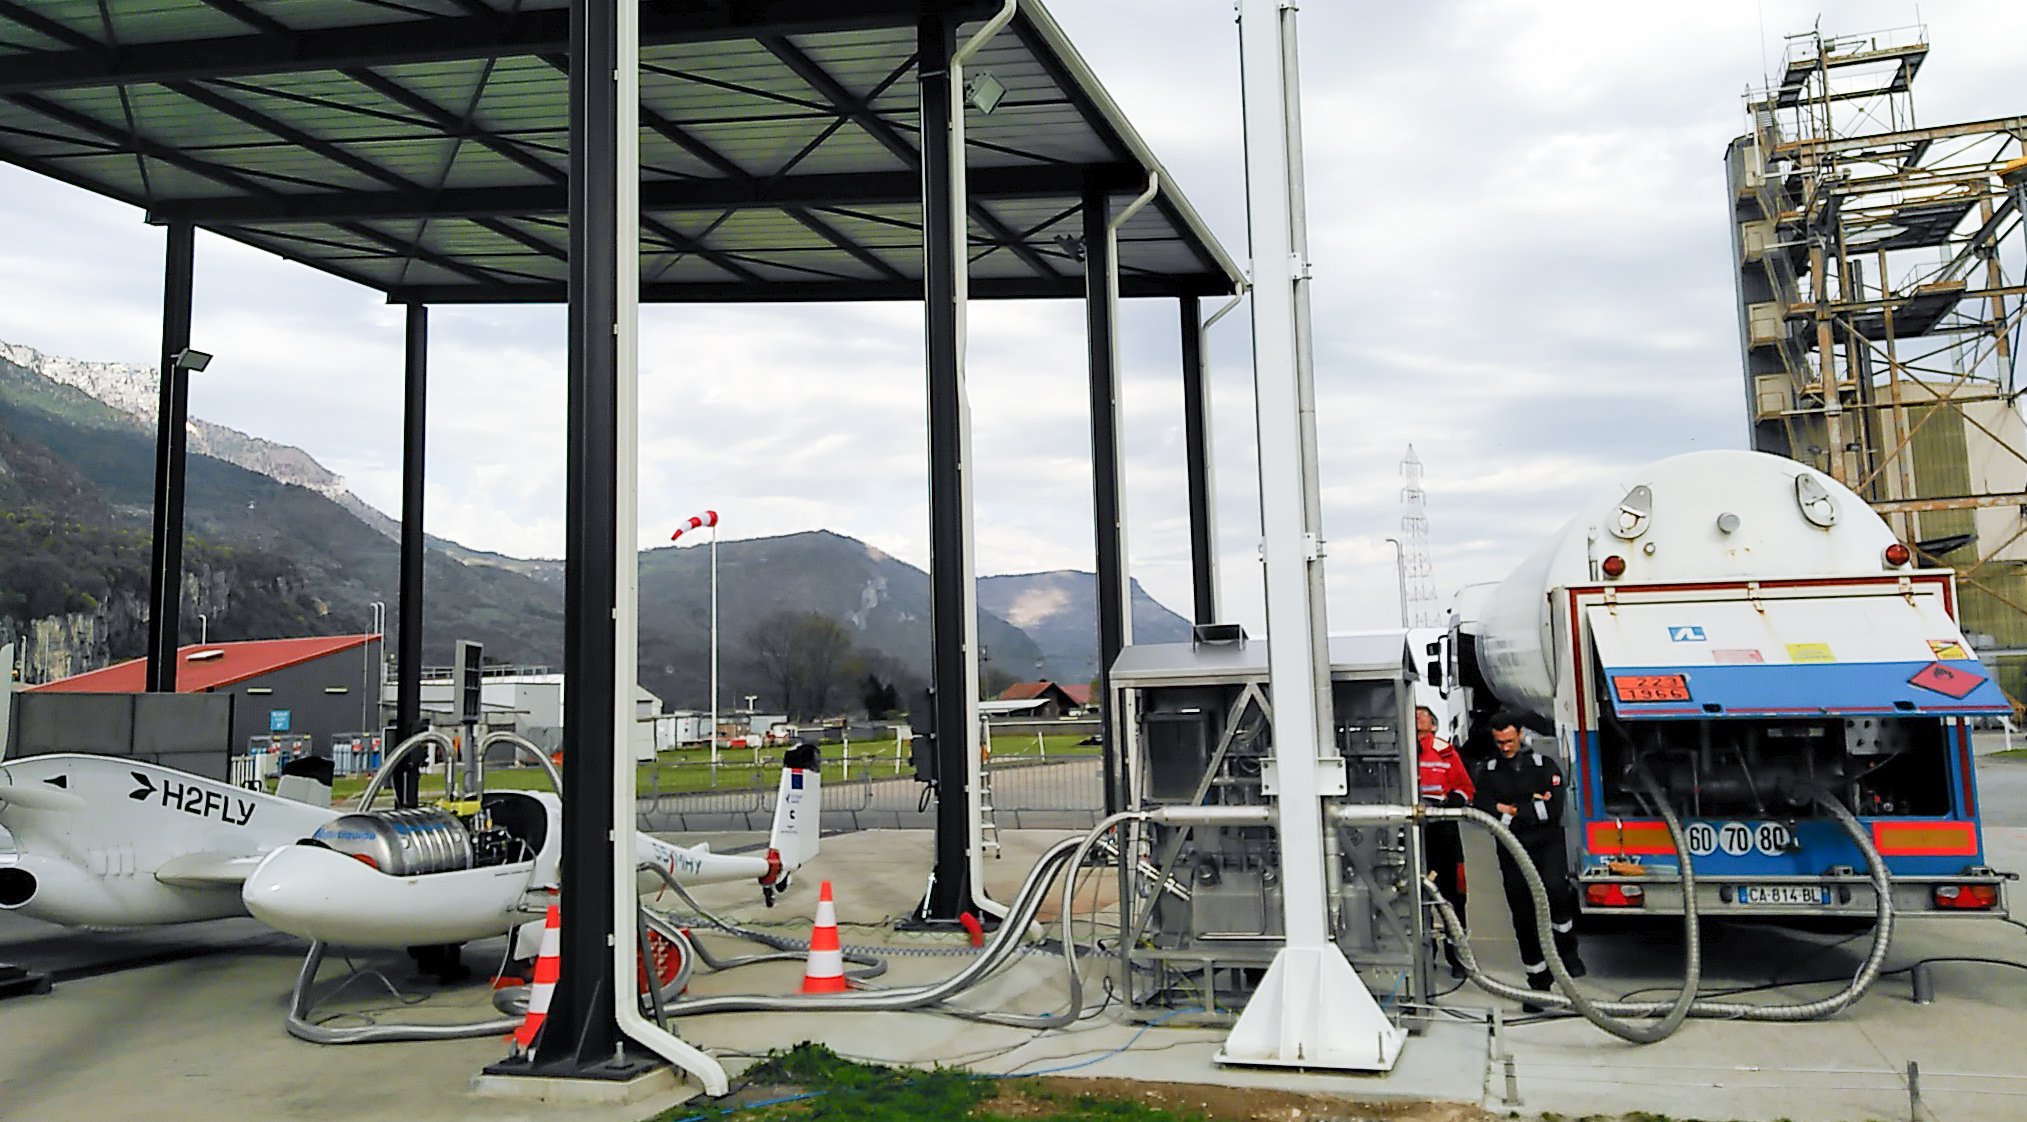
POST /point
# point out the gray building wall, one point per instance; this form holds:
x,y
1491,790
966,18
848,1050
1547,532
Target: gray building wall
x,y
305,690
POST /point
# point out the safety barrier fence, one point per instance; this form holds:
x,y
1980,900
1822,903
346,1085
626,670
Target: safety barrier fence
x,y
867,792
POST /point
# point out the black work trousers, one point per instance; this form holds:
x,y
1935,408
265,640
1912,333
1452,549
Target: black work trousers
x,y
1548,851
1443,846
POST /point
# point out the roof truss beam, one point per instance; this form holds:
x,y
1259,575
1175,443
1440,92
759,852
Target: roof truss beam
x,y
338,155
434,40
813,190
234,179
889,137
814,291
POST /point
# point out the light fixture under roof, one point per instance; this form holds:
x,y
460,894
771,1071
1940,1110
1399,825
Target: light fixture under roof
x,y
985,92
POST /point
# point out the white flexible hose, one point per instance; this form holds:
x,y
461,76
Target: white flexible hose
x,y
1604,1013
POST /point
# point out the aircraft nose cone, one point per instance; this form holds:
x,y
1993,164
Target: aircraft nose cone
x,y
287,890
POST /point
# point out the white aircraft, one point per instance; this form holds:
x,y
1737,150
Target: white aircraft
x,y
111,843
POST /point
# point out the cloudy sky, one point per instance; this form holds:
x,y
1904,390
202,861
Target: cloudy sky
x,y
1518,226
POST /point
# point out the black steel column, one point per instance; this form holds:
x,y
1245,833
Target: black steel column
x,y
1107,508
1196,437
950,888
408,638
172,414
581,1036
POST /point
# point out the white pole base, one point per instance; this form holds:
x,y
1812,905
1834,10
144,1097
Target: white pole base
x,y
1312,1010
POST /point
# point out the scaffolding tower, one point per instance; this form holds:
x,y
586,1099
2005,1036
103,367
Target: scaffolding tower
x,y
1880,267
1420,608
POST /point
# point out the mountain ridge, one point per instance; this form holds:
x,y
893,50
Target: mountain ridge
x,y
275,502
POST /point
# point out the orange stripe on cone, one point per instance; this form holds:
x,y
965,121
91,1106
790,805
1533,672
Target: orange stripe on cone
x,y
824,972
548,965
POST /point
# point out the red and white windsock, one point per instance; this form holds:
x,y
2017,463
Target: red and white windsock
x,y
548,967
696,522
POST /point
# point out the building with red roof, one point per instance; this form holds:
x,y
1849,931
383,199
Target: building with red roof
x,y
1044,700
305,692
207,667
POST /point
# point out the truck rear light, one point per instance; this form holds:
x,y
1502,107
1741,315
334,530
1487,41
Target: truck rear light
x,y
1615,895
1614,567
1967,897
1897,555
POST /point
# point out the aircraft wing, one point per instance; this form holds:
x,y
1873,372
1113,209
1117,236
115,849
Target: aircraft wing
x,y
207,870
38,796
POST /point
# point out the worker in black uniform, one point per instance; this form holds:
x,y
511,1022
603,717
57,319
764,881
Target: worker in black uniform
x,y
1524,789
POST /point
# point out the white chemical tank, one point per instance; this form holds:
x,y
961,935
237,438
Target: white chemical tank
x,y
1701,516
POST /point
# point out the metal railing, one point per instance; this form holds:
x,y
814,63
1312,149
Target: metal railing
x,y
355,753
866,791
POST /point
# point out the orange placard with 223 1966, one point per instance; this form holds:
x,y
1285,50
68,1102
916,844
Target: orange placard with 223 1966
x,y
1650,687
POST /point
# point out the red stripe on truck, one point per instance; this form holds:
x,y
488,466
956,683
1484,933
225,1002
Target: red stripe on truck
x,y
1617,836
1925,839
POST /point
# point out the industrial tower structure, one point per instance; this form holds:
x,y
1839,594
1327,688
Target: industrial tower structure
x,y
1880,268
1420,607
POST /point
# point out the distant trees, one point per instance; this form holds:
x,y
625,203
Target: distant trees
x,y
881,700
804,658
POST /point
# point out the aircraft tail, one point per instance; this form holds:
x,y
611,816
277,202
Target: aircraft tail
x,y
798,807
306,780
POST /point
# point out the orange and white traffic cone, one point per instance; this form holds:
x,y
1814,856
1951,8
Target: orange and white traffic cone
x,y
825,970
548,965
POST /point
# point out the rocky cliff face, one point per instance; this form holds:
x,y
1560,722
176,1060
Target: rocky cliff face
x,y
133,389
67,643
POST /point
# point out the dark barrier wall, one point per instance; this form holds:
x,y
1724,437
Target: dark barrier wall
x,y
192,732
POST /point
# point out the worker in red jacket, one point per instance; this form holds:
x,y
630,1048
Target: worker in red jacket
x,y
1444,781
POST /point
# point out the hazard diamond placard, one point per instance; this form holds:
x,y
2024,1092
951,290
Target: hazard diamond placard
x,y
1952,680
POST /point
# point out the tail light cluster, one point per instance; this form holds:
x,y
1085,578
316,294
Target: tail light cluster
x,y
1897,555
1615,895
1967,897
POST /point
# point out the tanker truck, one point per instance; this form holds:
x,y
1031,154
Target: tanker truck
x,y
1742,636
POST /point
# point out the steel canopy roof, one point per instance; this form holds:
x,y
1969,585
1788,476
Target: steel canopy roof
x,y
419,147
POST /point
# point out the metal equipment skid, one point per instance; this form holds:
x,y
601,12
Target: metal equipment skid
x,y
1201,909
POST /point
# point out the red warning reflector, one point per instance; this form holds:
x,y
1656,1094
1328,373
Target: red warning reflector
x,y
1952,680
1925,839
1613,836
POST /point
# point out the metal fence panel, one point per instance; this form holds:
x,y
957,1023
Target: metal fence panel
x,y
868,792
102,724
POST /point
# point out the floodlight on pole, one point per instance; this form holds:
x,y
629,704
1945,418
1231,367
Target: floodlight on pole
x,y
985,92
190,360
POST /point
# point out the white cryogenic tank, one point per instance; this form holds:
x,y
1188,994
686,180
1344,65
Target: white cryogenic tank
x,y
1701,516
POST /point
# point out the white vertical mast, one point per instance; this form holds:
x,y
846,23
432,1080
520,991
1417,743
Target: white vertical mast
x,y
1311,1009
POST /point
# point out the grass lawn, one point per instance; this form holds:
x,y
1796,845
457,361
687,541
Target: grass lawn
x,y
809,1082
687,770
